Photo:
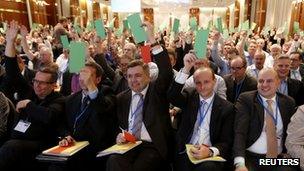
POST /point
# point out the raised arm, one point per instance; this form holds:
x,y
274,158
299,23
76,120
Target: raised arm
x,y
26,49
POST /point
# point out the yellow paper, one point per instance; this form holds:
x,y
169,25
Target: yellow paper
x,y
196,161
119,148
69,151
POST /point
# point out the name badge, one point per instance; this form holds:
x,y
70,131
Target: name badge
x,y
22,126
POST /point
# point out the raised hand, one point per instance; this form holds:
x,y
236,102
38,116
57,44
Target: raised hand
x,y
189,61
23,31
12,31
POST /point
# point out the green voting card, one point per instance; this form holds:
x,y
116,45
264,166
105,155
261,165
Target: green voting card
x,y
64,41
200,44
118,32
111,24
253,25
77,58
175,25
100,30
245,25
126,24
137,30
296,27
193,23
219,24
225,34
78,29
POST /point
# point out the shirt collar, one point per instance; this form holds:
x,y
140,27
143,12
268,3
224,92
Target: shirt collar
x,y
273,99
208,100
143,92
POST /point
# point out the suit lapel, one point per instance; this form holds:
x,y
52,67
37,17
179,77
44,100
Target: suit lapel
x,y
126,109
215,113
193,115
260,110
283,111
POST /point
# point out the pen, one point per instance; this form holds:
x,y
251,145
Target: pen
x,y
122,131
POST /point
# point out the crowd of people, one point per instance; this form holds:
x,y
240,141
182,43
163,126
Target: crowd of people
x,y
243,101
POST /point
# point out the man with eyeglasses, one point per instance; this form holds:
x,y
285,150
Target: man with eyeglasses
x,y
296,66
238,81
40,112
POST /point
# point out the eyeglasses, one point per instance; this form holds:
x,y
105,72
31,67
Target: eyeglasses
x,y
236,68
41,82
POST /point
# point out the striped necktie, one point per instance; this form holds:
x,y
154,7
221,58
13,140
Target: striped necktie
x,y
271,135
137,117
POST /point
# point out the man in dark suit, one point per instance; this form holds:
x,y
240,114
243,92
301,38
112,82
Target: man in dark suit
x,y
39,112
238,81
288,86
144,111
90,117
206,121
261,121
296,66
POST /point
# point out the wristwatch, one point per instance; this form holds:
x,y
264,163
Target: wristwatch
x,y
210,153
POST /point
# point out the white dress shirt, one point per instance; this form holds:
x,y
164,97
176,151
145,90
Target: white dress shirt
x,y
135,99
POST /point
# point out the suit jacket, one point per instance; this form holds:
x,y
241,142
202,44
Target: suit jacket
x,y
221,121
97,124
296,90
155,109
249,120
249,84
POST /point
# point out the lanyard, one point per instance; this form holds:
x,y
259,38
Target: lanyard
x,y
275,119
203,115
79,116
137,108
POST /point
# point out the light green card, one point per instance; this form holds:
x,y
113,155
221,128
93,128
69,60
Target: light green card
x,y
100,30
225,34
200,44
193,23
253,25
77,58
111,24
138,31
125,24
245,25
219,24
175,25
296,27
163,26
78,29
64,41
118,32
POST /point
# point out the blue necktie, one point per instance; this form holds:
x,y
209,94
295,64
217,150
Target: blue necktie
x,y
202,115
137,117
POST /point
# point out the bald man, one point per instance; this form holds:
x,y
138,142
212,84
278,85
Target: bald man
x,y
207,120
261,121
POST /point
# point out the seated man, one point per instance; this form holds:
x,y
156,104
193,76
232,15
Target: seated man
x,y
261,121
90,117
295,134
39,116
206,121
143,111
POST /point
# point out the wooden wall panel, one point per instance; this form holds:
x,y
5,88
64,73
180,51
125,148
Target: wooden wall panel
x,y
11,10
297,14
194,12
96,11
236,13
260,13
149,15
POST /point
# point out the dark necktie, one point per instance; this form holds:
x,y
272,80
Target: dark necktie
x,y
85,103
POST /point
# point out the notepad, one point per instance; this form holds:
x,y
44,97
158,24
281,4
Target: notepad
x,y
119,148
66,151
196,161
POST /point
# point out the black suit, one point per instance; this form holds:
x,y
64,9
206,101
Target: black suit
x,y
296,90
43,114
221,123
249,120
155,118
249,84
97,125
